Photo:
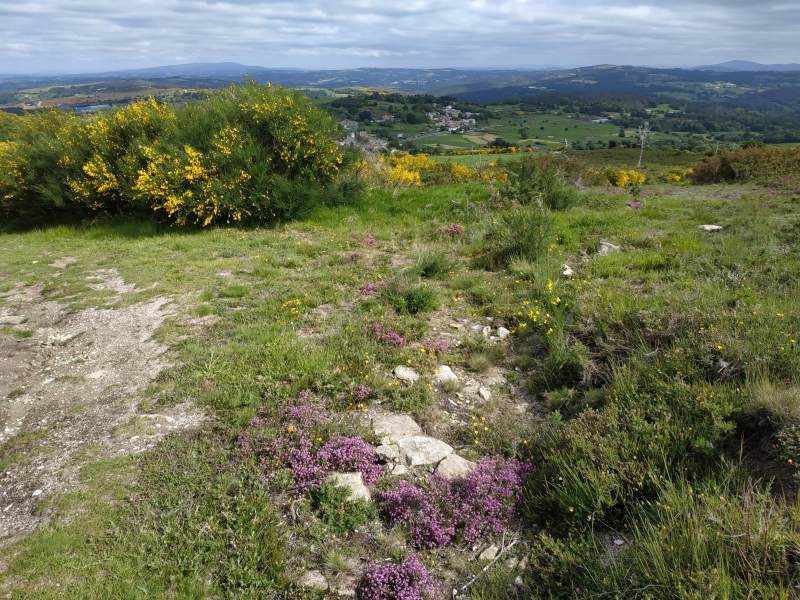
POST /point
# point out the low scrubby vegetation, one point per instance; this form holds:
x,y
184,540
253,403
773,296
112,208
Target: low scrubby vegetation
x,y
754,163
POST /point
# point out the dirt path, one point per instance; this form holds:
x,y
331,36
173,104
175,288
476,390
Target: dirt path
x,y
70,393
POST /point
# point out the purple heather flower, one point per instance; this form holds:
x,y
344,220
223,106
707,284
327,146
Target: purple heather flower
x,y
464,509
386,335
454,229
408,580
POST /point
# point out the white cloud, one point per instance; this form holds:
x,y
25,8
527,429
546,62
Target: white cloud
x,y
81,35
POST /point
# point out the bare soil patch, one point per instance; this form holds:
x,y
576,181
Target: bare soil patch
x,y
70,393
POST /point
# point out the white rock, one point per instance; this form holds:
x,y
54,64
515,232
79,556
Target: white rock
x,y
12,320
711,228
406,374
444,374
353,482
604,248
399,470
314,580
567,271
36,493
476,328
503,333
485,394
487,331
388,451
518,581
423,450
392,427
490,553
454,466
618,542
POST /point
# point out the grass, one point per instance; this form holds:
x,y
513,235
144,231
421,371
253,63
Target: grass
x,y
638,413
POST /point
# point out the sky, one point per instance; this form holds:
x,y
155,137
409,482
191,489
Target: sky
x,y
79,36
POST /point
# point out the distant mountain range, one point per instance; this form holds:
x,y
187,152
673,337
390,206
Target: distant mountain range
x,y
737,83
734,66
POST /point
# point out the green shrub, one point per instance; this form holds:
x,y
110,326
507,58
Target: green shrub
x,y
521,233
604,460
341,513
753,164
247,155
410,299
535,183
433,265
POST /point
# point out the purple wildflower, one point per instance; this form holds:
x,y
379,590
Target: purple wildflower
x,y
436,346
454,229
350,454
293,447
372,288
370,239
408,580
467,509
386,335
362,392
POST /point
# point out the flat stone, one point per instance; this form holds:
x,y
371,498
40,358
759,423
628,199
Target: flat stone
x,y
63,263
503,333
353,482
485,394
711,228
388,451
444,374
420,450
406,374
12,320
345,586
314,580
399,470
453,467
393,427
490,553
605,248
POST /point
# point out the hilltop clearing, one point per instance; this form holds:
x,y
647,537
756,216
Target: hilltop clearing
x,y
510,388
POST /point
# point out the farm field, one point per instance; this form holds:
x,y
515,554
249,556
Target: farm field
x,y
629,388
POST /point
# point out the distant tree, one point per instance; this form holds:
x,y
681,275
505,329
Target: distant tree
x,y
523,132
365,116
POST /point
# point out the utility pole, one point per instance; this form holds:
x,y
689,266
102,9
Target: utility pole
x,y
643,133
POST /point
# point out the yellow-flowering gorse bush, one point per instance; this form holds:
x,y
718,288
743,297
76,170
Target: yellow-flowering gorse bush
x,y
250,154
412,170
623,178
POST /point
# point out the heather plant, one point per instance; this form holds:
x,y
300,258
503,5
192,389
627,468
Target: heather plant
x,y
408,580
454,230
462,510
297,439
386,334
